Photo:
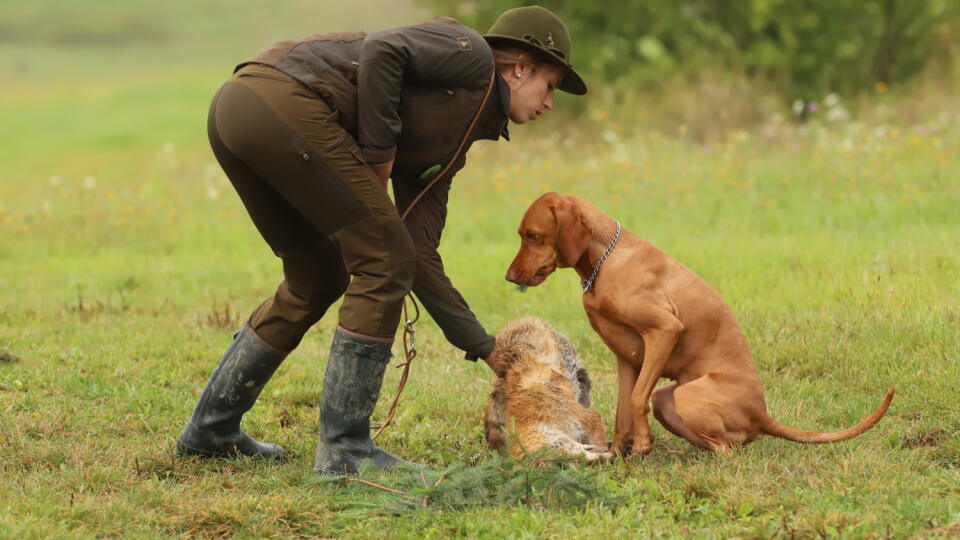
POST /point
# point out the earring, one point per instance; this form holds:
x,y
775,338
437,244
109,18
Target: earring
x,y
519,75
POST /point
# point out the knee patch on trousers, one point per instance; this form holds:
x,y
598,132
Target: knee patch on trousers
x,y
402,258
382,260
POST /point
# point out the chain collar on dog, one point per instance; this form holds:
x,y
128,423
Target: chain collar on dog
x,y
588,284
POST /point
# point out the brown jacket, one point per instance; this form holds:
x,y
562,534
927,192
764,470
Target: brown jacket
x,y
409,94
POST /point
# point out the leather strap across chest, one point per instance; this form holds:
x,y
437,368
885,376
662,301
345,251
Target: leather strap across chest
x,y
460,147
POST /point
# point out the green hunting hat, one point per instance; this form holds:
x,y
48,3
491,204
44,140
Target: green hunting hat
x,y
534,27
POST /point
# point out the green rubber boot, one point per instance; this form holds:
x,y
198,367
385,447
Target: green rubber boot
x,y
214,429
350,392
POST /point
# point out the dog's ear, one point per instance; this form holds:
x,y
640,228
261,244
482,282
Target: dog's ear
x,y
573,233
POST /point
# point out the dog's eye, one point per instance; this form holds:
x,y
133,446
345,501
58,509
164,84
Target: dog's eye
x,y
533,237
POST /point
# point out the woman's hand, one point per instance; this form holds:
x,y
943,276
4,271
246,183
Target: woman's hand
x,y
383,172
493,362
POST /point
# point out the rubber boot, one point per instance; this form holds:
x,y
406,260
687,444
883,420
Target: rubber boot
x,y
351,388
214,429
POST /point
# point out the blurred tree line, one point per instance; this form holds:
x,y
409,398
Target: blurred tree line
x,y
804,48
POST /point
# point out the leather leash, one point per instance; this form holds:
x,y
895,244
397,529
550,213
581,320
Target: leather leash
x,y
410,352
409,339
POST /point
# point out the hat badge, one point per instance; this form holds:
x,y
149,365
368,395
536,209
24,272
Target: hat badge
x,y
549,40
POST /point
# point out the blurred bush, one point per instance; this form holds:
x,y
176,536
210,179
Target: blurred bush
x,y
801,49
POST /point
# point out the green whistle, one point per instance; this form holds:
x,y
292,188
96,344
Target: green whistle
x,y
429,171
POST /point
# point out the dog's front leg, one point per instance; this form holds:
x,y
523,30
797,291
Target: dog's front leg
x,y
658,344
623,430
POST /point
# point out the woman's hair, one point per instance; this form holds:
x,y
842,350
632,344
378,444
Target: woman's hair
x,y
504,57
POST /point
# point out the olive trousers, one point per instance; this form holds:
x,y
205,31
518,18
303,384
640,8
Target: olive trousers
x,y
317,204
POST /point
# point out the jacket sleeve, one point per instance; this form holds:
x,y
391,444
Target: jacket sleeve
x,y
442,52
431,285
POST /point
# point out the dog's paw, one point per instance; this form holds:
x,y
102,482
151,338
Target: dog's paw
x,y
640,450
642,444
620,448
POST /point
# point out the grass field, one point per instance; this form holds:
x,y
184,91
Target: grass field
x,y
127,262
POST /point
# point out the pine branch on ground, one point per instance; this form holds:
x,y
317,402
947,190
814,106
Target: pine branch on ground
x,y
539,481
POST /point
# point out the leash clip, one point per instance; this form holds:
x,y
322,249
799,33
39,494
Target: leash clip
x,y
408,327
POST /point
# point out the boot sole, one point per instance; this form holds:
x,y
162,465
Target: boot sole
x,y
185,451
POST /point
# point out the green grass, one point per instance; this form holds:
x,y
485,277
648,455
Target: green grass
x,y
121,244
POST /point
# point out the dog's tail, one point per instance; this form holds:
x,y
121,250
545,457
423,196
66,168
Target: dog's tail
x,y
772,427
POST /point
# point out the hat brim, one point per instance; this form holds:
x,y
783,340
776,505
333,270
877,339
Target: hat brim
x,y
572,82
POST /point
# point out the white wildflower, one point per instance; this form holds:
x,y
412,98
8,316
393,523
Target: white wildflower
x,y
797,107
837,114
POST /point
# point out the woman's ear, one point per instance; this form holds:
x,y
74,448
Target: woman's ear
x,y
573,233
514,75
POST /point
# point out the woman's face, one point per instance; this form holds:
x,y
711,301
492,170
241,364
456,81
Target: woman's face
x,y
531,90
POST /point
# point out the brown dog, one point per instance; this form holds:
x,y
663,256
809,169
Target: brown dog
x,y
545,390
661,320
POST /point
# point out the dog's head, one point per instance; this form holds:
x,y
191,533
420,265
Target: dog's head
x,y
553,234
